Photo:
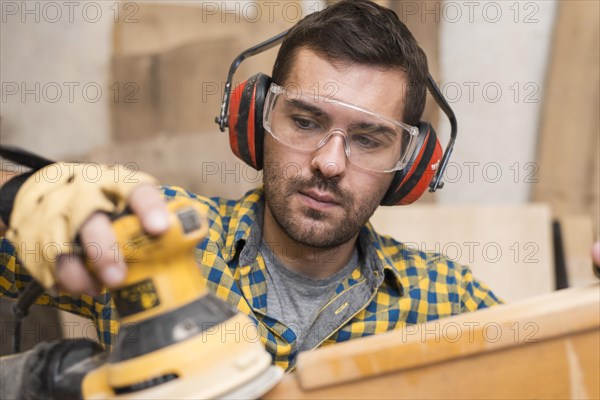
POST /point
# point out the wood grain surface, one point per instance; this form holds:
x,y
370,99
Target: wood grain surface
x,y
544,347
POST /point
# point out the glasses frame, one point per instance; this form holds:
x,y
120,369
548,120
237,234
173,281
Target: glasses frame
x,y
276,90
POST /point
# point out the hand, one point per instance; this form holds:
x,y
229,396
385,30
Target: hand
x,y
98,239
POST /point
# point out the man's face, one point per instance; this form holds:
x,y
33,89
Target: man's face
x,y
318,198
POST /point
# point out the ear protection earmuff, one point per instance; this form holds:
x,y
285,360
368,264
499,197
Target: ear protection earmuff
x,y
246,132
242,112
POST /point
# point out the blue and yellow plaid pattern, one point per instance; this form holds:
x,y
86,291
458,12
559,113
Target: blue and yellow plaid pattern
x,y
415,287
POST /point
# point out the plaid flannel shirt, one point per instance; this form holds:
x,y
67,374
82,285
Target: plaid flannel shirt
x,y
395,286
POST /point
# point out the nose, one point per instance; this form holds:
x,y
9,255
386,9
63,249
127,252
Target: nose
x,y
330,158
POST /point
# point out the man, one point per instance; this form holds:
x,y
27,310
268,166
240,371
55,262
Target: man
x,y
299,256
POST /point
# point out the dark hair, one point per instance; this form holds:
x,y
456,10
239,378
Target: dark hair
x,y
360,32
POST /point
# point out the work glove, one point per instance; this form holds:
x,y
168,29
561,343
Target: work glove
x,y
53,204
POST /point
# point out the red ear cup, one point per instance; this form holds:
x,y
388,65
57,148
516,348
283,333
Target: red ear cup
x,y
246,132
410,183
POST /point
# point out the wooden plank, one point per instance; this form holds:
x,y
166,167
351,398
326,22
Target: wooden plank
x,y
467,334
577,242
570,128
546,347
508,247
561,368
171,60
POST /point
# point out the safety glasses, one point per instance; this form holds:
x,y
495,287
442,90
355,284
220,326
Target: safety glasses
x,y
307,122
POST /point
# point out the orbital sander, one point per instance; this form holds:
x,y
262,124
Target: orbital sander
x,y
177,339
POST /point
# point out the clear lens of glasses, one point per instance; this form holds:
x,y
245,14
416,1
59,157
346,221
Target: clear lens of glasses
x,y
307,122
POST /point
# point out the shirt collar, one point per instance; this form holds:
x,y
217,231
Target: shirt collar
x,y
244,241
242,223
382,265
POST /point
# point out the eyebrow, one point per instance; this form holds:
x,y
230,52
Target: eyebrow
x,y
306,107
378,128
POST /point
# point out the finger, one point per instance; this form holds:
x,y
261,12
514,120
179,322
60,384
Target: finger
x,y
74,277
101,250
148,204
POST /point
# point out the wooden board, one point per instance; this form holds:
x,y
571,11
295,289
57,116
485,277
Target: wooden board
x,y
568,153
546,347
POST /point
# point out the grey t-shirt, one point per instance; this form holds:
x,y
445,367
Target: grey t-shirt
x,y
295,299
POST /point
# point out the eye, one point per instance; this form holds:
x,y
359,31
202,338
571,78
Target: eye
x,y
366,142
304,123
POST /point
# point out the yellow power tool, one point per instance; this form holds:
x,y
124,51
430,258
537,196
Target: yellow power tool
x,y
177,340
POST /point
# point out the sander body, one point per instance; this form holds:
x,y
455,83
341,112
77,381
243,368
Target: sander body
x,y
177,339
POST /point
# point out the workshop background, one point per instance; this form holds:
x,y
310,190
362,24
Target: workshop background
x,y
140,83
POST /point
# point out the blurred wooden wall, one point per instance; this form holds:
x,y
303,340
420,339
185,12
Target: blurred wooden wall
x,y
569,147
171,65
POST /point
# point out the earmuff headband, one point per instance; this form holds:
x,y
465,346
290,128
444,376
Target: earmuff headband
x,y
223,119
437,182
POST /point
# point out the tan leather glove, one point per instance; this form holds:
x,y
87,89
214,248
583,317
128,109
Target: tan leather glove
x,y
53,204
